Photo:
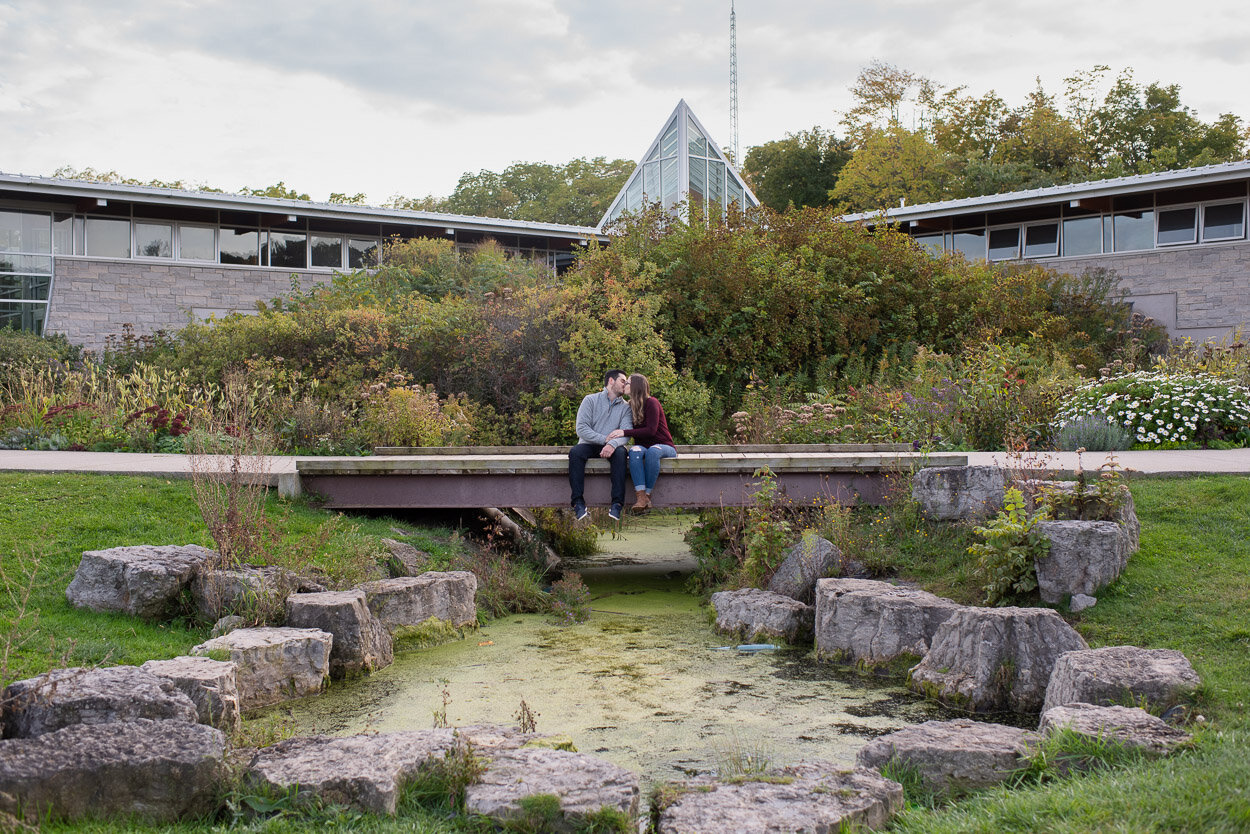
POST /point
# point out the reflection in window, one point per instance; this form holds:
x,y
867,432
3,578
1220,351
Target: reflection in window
x,y
1178,226
735,194
107,238
633,194
62,234
362,253
698,181
23,316
971,244
197,243
1224,222
932,243
1041,241
670,180
327,251
240,246
1134,230
1004,244
25,287
668,145
154,240
695,141
287,250
651,181
24,231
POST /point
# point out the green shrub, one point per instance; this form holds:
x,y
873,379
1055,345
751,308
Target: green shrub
x,y
1166,410
1093,433
570,599
1010,545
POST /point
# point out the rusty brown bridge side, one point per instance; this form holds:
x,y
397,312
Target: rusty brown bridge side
x,y
700,476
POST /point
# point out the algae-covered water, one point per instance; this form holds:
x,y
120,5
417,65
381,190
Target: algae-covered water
x,y
646,682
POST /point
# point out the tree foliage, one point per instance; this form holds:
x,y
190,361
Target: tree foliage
x,y
798,170
577,192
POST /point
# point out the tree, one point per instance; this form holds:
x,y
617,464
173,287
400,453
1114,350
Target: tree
x,y
891,166
577,192
796,171
278,190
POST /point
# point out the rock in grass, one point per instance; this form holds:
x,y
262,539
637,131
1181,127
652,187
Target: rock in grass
x,y
361,643
407,602
65,697
160,771
211,684
994,659
952,757
809,796
955,493
273,664
811,559
1128,726
142,581
1158,678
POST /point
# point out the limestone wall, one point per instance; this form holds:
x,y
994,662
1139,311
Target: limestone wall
x,y
1197,291
92,299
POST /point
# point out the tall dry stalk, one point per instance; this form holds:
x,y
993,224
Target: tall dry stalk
x,y
230,470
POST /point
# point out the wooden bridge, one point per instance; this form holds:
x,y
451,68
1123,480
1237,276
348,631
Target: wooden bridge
x,y
700,476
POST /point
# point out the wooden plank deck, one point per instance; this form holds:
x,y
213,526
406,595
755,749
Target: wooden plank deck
x,y
701,476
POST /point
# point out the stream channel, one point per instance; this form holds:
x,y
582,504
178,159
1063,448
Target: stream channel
x,y
646,682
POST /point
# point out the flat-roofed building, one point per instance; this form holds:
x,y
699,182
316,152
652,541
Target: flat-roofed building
x,y
1176,239
86,258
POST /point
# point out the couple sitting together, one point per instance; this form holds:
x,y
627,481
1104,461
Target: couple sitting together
x,y
605,421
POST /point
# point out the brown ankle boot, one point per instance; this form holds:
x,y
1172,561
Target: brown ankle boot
x,y
643,502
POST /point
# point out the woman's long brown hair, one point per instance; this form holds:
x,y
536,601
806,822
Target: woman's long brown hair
x,y
639,390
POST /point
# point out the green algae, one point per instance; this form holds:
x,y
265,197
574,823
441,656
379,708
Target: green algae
x,y
640,683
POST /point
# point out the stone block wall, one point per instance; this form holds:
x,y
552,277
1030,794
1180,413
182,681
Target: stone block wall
x,y
1197,291
92,299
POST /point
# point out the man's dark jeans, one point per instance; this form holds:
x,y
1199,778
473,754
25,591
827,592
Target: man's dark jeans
x,y
583,452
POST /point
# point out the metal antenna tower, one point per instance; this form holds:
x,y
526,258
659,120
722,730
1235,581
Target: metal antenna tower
x,y
733,83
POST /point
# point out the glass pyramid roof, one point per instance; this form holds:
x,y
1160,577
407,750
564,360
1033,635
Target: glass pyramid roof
x,y
683,169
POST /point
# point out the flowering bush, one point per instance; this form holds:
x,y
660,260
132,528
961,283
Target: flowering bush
x,y
1163,409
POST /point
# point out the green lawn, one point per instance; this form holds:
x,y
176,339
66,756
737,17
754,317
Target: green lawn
x,y
1187,589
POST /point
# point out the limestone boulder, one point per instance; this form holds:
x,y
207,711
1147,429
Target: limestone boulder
x,y
407,602
1129,726
753,615
258,594
368,772
583,784
953,757
994,659
404,559
1161,678
361,643
959,493
160,771
65,697
811,559
809,796
211,684
143,581
873,623
274,664
1126,517
1085,556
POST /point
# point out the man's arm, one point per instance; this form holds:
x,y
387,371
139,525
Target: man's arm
x,y
624,423
585,430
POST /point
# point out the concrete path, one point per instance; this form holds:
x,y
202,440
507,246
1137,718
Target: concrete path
x,y
1230,462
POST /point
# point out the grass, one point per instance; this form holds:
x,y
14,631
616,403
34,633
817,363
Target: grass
x,y
51,519
1187,589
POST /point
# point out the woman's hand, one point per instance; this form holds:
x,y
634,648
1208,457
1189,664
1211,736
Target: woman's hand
x,y
615,433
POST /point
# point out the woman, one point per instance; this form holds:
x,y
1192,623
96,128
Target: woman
x,y
652,440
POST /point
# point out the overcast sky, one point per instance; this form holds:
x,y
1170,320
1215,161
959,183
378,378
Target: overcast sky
x,y
403,96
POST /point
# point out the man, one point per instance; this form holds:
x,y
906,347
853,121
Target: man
x,y
598,415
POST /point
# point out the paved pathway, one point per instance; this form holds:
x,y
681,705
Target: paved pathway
x,y
1232,461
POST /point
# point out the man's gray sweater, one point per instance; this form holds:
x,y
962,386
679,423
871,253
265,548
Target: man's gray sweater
x,y
597,416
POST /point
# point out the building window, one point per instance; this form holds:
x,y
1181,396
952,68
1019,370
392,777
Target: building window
x,y
154,240
1134,230
1225,221
24,231
931,243
240,246
362,253
197,243
970,243
1004,244
107,238
288,251
1041,240
327,251
1177,225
